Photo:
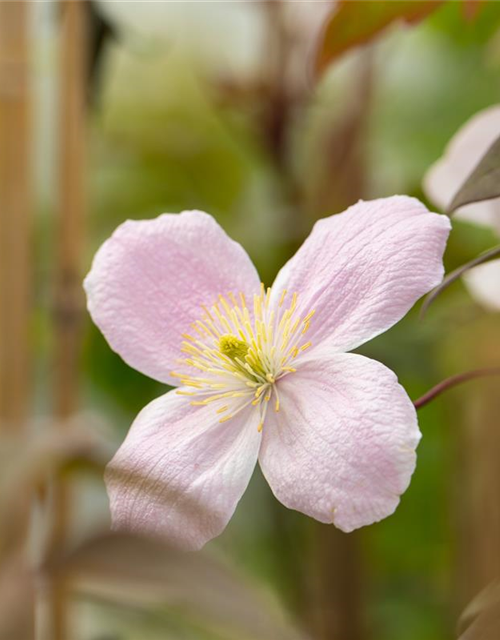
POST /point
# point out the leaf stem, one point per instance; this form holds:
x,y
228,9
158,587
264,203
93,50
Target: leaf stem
x,y
453,381
492,254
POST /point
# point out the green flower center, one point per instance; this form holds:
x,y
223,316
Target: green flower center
x,y
233,347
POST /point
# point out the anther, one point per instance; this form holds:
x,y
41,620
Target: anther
x,y
239,354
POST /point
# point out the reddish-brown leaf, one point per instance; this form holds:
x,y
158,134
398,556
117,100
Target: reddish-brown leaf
x,y
471,9
357,22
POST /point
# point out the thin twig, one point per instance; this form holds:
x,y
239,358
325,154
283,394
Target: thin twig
x,y
453,381
455,275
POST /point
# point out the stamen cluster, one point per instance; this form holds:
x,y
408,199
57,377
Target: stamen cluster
x,y
238,356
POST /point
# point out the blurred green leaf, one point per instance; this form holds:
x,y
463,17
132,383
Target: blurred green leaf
x,y
355,23
463,27
483,183
134,571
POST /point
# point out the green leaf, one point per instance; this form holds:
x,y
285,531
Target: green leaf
x,y
355,23
483,183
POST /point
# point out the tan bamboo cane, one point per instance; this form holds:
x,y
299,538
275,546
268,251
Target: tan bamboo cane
x,y
15,215
15,253
68,301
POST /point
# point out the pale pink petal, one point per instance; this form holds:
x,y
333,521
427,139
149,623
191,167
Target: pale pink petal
x,y
362,270
180,472
484,284
149,280
342,447
461,156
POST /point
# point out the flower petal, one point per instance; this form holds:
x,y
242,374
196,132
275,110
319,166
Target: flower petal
x,y
362,270
149,280
342,447
463,153
484,284
180,472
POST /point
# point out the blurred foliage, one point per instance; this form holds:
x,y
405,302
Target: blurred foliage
x,y
481,617
147,574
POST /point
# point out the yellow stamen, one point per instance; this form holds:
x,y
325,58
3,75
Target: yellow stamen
x,y
238,354
309,316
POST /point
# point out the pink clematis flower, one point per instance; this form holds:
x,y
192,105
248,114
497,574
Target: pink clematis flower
x,y
446,176
263,374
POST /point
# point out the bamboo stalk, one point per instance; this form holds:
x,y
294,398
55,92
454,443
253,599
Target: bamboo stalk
x,y
68,302
15,256
15,224
15,216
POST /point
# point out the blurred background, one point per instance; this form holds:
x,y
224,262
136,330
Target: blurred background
x,y
269,115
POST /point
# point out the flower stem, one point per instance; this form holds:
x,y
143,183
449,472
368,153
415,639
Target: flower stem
x,y
453,381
